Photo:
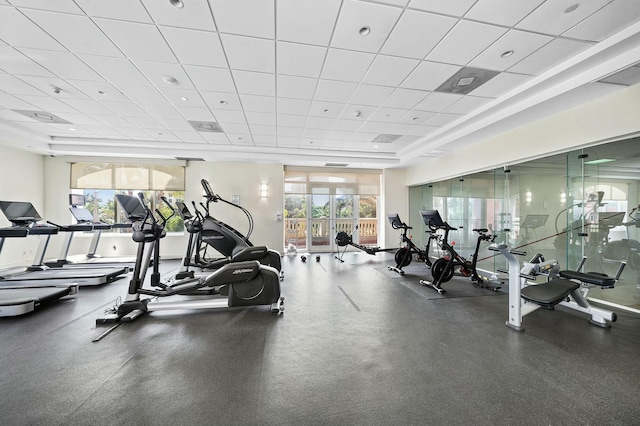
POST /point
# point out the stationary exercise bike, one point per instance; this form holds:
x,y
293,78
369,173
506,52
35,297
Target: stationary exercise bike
x,y
442,270
405,253
241,283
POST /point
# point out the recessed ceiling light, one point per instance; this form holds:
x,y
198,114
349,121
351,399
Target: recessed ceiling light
x,y
357,113
507,54
56,89
364,31
169,79
572,8
465,81
72,129
223,102
376,146
176,3
184,99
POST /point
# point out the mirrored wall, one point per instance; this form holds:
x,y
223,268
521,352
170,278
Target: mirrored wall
x,y
584,203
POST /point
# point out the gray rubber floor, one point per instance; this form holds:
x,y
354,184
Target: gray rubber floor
x,y
356,345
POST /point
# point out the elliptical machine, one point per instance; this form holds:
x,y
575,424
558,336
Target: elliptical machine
x,y
442,270
243,283
192,256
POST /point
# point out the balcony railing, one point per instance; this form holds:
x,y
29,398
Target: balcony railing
x,y
296,231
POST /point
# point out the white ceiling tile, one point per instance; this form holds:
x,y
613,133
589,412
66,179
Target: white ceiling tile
x,y
502,12
357,112
467,104
553,53
290,131
14,102
63,64
287,120
306,21
212,79
436,101
112,120
66,28
299,59
132,132
258,103
405,98
124,10
93,88
423,130
395,2
193,47
56,6
347,125
355,15
176,125
229,116
326,109
296,87
138,41
320,123
609,20
195,14
449,7
346,65
374,127
341,135
156,72
315,133
191,97
115,70
293,106
221,100
240,138
261,118
500,84
465,41
54,87
14,62
417,33
443,119
88,106
17,30
334,91
141,94
257,129
288,142
100,129
255,83
246,17
215,138
235,128
47,103
188,136
265,140
415,117
11,84
145,122
520,42
125,109
551,17
389,70
387,115
250,54
368,94
429,75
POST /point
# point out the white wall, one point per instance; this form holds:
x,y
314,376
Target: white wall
x,y
22,175
395,199
609,117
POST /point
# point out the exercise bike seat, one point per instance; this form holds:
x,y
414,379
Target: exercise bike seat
x,y
597,278
549,294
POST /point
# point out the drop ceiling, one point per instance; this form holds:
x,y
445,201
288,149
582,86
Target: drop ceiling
x,y
303,82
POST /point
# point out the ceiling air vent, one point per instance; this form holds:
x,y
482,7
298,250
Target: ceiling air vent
x,y
466,80
189,159
385,138
42,116
206,126
336,165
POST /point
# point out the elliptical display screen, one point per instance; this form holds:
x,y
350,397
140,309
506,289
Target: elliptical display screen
x,y
132,206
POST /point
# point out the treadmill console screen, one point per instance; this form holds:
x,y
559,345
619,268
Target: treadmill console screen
x,y
19,211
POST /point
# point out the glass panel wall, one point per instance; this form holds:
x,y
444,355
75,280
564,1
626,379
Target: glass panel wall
x,y
585,203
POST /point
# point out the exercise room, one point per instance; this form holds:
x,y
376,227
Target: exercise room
x,y
336,212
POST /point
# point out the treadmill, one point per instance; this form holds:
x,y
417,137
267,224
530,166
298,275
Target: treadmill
x,y
23,215
85,223
21,299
